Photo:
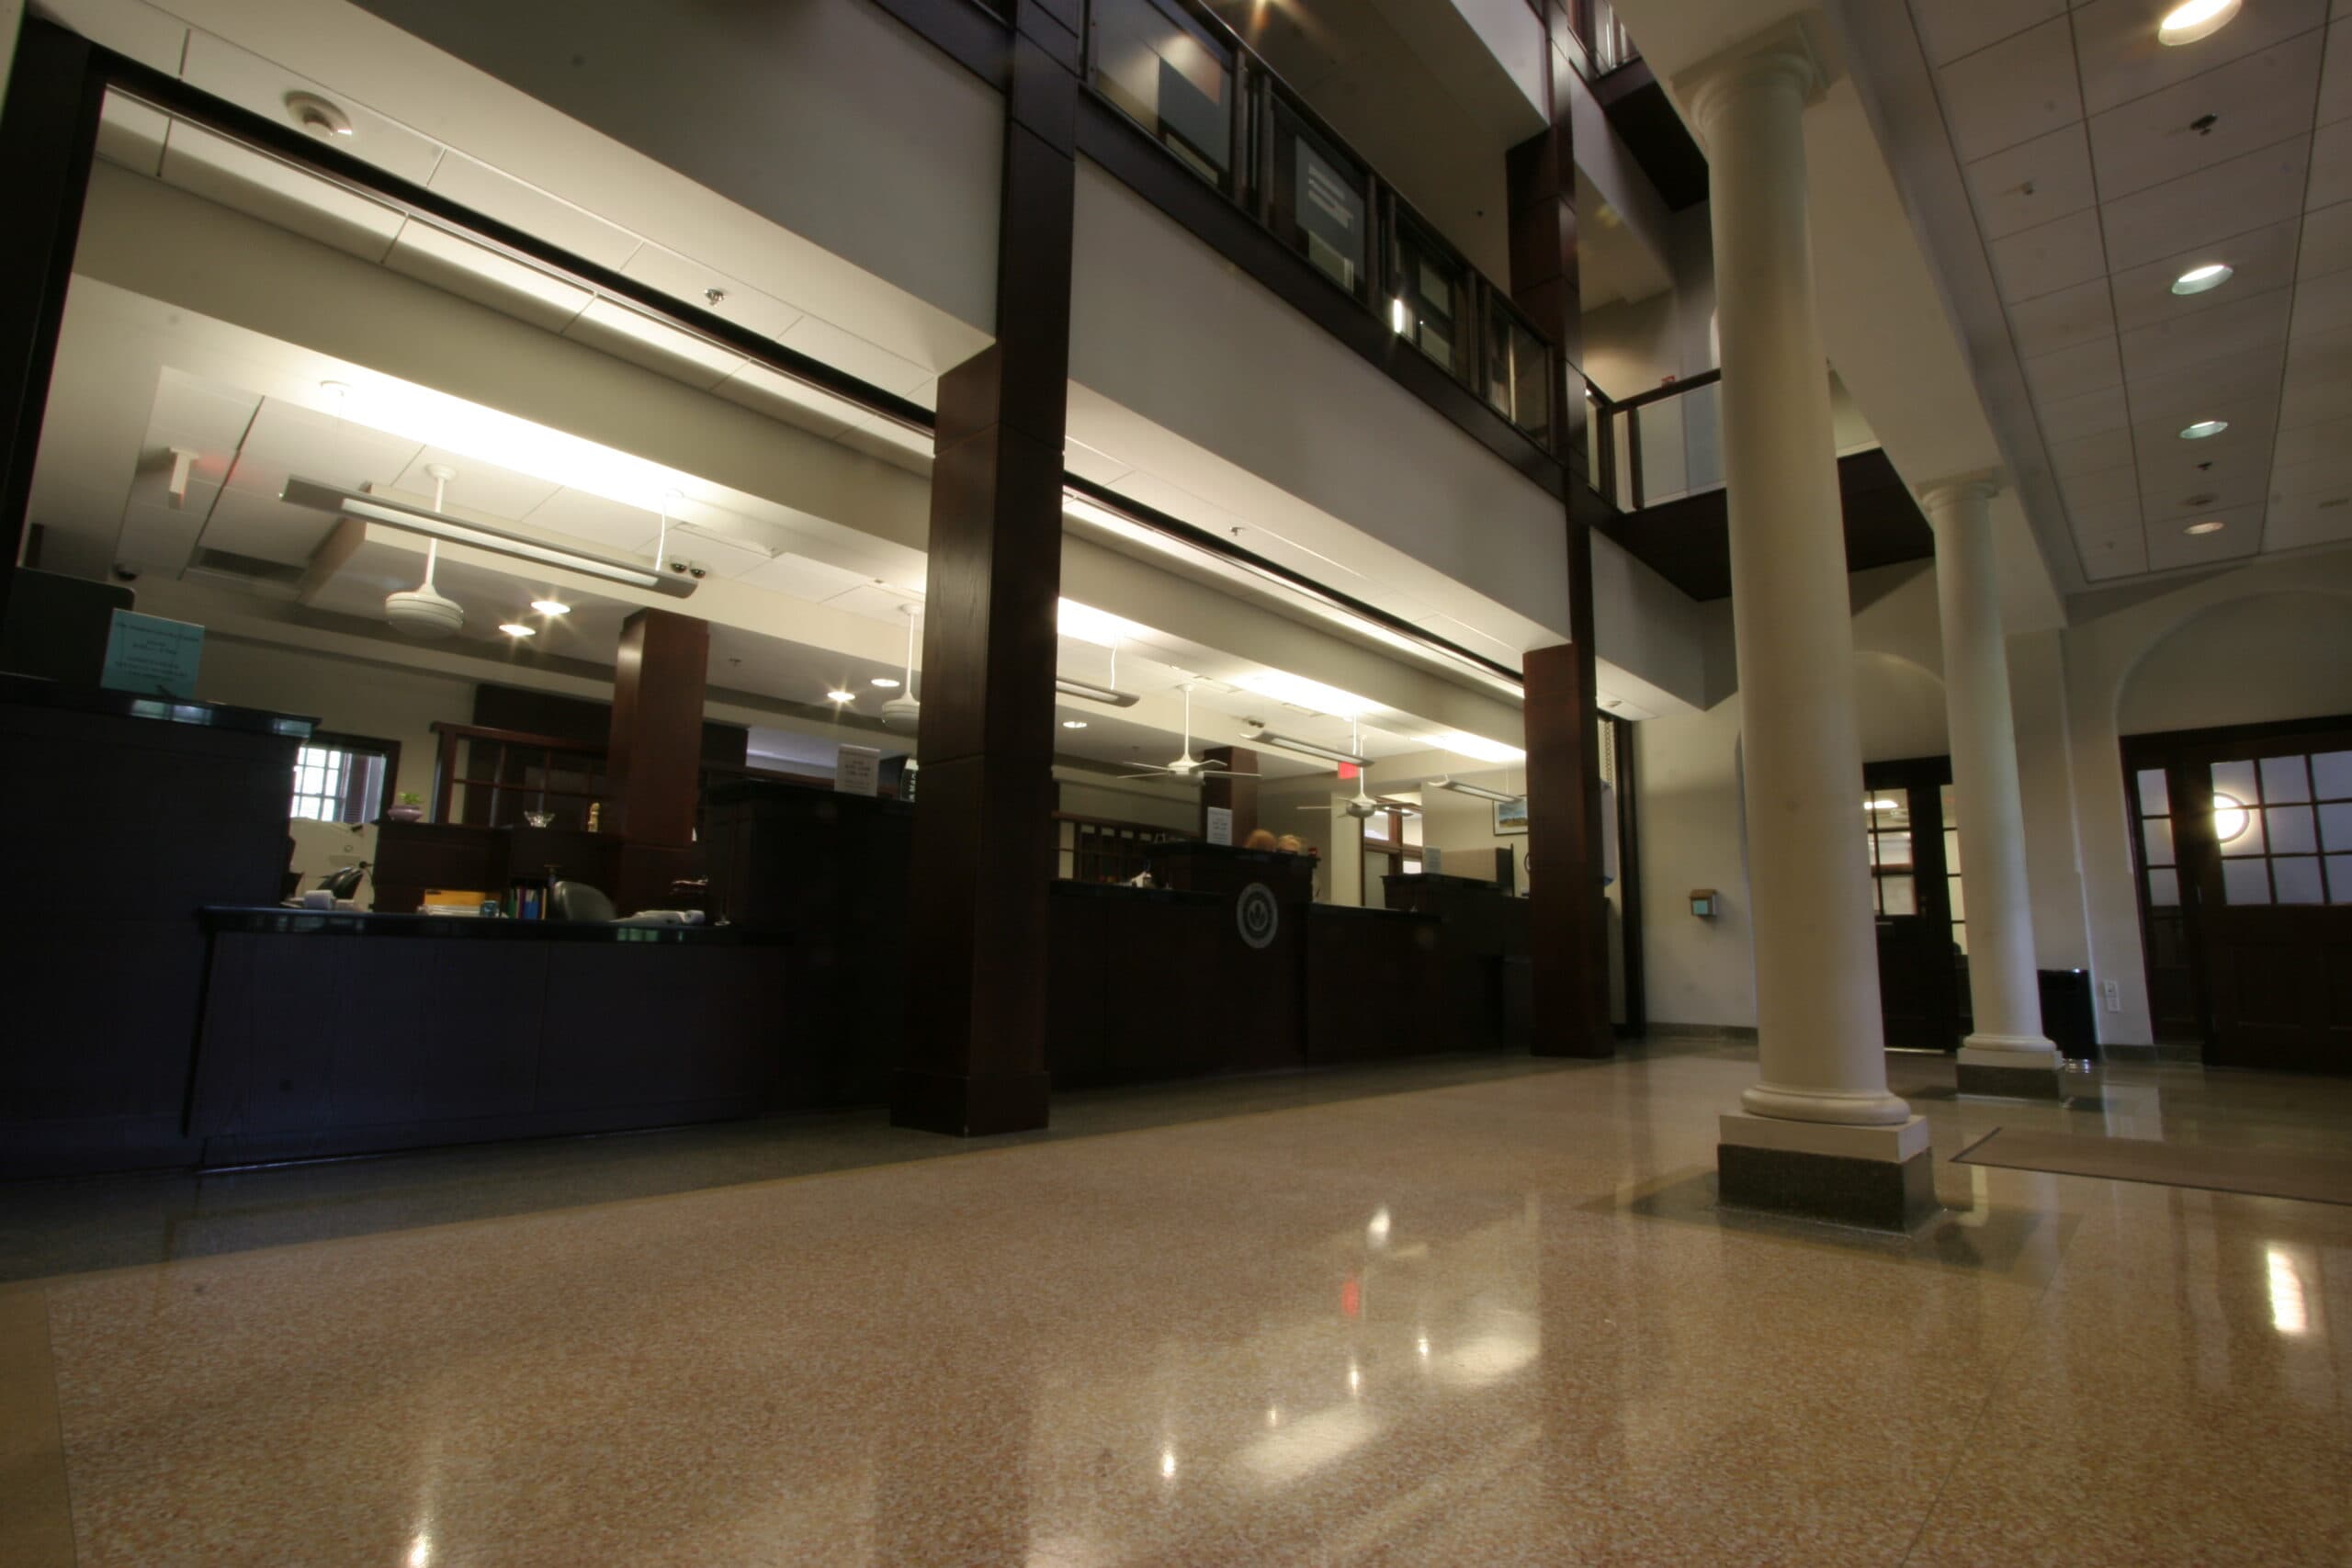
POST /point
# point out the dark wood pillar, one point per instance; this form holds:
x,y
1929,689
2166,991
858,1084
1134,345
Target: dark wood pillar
x,y
654,756
1233,786
975,1058
47,131
1568,913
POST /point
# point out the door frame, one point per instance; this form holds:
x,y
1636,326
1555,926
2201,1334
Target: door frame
x,y
2165,751
1932,890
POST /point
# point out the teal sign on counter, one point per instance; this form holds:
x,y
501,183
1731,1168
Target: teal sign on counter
x,y
151,656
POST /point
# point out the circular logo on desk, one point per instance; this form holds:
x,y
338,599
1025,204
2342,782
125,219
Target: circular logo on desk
x,y
1257,915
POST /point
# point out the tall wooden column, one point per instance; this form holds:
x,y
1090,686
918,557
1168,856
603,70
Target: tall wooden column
x,y
1568,913
654,755
975,1058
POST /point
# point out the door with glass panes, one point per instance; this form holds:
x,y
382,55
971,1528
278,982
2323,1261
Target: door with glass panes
x,y
1915,892
2245,860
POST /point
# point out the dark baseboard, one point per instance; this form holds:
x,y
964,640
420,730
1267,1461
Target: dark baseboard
x,y
1876,1193
1745,1033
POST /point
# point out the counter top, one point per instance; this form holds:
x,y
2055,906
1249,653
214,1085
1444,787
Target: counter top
x,y
1066,888
31,691
247,920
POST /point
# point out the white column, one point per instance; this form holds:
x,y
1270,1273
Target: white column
x,y
1821,1043
2002,983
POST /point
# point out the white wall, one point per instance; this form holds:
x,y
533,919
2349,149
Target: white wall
x,y
1155,805
382,702
2268,656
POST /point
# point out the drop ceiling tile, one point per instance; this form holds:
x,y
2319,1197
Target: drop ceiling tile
x,y
2108,449
286,438
719,557
690,281
875,601
821,340
261,525
236,176
161,538
800,577
2071,372
2121,59
2244,380
2019,89
2323,304
2327,241
2295,523
893,443
2185,501
2051,256
2032,183
2252,103
2261,259
2108,559
2249,323
476,273
206,418
656,344
2331,176
2077,418
478,487
2065,318
127,26
533,210
1950,28
227,72
778,396
2310,443
2169,548
2336,80
131,134
2247,192
1096,468
613,525
2111,488
2327,473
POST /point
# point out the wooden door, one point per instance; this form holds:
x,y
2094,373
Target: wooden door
x,y
1906,816
2266,858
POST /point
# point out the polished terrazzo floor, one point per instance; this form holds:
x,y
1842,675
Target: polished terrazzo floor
x,y
1490,1317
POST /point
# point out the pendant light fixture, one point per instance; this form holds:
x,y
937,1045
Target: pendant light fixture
x,y
903,711
424,610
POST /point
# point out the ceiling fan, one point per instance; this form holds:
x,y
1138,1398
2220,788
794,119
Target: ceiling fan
x,y
1365,805
1186,765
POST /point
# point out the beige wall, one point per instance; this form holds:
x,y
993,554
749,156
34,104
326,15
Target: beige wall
x,y
382,702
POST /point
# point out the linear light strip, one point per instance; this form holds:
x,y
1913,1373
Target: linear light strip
x,y
1093,693
1306,748
434,525
1480,791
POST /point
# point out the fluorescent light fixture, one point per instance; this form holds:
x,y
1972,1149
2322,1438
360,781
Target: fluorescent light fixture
x,y
2210,525
887,682
1093,693
1480,791
434,525
1478,748
2203,428
1399,317
1320,753
2194,20
838,695
1073,723
550,607
1299,691
2197,279
1087,624
517,629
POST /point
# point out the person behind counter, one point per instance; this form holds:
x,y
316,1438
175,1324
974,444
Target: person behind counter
x,y
1259,838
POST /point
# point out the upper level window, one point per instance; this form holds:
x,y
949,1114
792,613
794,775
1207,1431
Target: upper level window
x,y
1161,68
1432,309
1322,201
338,784
1604,36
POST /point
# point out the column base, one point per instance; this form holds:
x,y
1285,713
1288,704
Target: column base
x,y
968,1107
2009,1067
1881,1178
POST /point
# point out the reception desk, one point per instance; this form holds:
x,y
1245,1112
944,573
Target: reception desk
x,y
327,1033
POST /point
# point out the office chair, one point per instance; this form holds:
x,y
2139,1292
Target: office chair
x,y
578,901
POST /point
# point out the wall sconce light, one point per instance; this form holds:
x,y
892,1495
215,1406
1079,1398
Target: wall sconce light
x,y
1702,903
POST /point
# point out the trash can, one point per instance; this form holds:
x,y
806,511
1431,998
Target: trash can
x,y
2067,1015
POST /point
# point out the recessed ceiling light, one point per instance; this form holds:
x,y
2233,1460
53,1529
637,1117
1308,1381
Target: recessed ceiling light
x,y
550,607
2203,428
840,697
2210,525
1073,723
887,682
516,628
2197,279
2194,20
317,116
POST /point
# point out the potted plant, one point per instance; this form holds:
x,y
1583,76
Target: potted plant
x,y
411,808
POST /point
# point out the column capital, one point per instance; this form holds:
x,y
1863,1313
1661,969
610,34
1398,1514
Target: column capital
x,y
1797,48
1982,485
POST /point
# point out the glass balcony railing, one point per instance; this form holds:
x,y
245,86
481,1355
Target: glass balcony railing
x,y
1179,72
1658,446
